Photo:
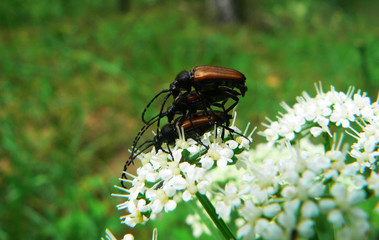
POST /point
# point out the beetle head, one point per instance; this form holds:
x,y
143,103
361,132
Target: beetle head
x,y
182,80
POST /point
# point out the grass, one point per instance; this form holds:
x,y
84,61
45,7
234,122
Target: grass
x,y
73,86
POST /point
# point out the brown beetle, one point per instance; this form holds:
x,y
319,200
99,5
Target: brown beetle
x,y
202,79
208,77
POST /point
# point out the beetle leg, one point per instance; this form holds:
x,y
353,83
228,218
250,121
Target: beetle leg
x,y
236,100
198,140
232,131
168,147
204,103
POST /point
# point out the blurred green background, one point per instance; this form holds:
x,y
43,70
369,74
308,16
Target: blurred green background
x,y
76,75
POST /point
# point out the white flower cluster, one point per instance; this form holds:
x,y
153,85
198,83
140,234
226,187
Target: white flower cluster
x,y
353,112
284,192
315,115
282,189
164,179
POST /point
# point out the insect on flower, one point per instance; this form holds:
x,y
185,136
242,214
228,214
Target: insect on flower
x,y
193,127
196,109
187,104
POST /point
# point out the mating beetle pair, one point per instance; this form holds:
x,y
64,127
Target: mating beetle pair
x,y
199,110
208,81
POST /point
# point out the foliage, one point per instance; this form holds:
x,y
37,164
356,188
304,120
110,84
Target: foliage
x,y
75,77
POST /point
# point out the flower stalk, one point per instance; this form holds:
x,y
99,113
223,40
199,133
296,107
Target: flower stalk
x,y
219,222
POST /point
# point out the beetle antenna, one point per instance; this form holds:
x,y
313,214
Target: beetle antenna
x,y
142,131
146,126
160,113
139,153
132,157
152,100
131,160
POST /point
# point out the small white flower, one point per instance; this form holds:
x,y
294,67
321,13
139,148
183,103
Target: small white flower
x,y
318,163
232,144
316,131
261,225
141,205
203,186
139,187
336,218
147,172
339,191
316,190
177,154
271,210
226,155
307,179
206,162
128,237
194,173
251,212
156,206
350,169
356,197
230,199
292,206
243,142
170,205
289,192
178,182
259,194
309,209
134,218
187,196
272,132
222,209
305,228
166,174
341,115
246,231
269,230
287,219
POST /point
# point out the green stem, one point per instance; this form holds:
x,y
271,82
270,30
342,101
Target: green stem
x,y
326,142
220,224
